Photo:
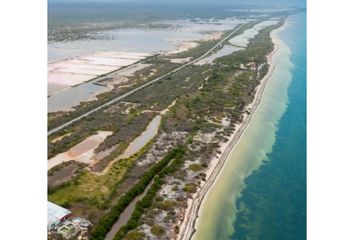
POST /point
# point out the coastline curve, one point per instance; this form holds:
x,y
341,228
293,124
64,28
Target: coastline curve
x,y
193,212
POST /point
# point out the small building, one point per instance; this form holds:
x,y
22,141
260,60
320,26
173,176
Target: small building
x,y
56,215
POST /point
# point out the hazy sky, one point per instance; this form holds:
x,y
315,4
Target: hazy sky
x,y
300,3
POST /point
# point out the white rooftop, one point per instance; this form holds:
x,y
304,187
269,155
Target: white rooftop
x,y
55,214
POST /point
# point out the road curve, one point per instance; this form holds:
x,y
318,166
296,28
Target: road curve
x,y
54,130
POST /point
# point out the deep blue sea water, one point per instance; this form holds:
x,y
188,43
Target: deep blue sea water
x,y
273,204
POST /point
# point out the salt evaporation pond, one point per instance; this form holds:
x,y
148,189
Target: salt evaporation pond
x,y
141,40
78,70
69,97
65,100
129,40
148,41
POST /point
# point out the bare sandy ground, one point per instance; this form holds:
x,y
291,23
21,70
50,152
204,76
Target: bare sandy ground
x,y
182,46
131,70
215,35
82,152
185,45
180,60
122,76
163,112
187,227
60,137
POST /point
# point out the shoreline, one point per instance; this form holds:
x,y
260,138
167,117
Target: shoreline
x,y
192,212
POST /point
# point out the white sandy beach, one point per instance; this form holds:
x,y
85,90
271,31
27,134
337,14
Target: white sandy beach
x,y
187,226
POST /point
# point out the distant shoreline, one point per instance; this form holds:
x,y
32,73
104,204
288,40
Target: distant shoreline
x,y
191,214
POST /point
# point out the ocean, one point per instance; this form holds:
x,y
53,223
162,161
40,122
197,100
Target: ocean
x,y
261,191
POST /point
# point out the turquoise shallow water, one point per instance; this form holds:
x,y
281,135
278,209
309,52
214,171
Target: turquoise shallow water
x,y
273,204
261,192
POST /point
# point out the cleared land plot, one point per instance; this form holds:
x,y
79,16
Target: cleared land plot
x,y
82,152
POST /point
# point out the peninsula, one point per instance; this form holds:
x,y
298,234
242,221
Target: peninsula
x,y
135,156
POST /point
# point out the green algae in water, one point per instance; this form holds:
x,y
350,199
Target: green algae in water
x,y
273,205
218,211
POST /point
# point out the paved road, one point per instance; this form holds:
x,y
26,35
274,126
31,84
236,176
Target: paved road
x,y
54,130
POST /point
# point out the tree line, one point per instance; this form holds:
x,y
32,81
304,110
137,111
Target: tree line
x,y
100,231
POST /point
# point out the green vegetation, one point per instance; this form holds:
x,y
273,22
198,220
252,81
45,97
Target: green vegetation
x,y
105,224
161,66
195,167
135,235
95,190
147,200
157,230
124,129
89,187
141,77
190,188
165,205
226,90
225,93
